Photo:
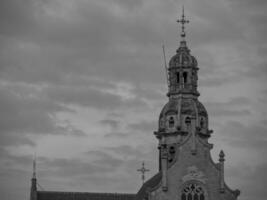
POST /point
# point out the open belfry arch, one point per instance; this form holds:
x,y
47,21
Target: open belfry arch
x,y
186,169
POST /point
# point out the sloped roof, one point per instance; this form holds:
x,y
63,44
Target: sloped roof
x,y
51,195
151,183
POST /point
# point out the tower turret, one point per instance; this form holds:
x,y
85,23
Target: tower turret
x,y
183,113
183,68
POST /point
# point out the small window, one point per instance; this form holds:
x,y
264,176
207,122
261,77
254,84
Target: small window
x,y
171,122
172,150
187,121
185,77
201,123
178,77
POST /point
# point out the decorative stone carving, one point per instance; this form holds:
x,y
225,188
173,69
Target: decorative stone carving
x,y
194,174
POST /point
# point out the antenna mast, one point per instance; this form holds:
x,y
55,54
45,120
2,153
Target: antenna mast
x,y
165,65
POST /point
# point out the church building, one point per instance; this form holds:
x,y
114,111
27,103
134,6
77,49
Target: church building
x,y
186,169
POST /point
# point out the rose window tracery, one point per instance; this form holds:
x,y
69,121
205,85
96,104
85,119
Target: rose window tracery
x,y
192,192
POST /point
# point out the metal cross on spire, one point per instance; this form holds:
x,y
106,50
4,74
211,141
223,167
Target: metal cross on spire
x,y
183,21
143,170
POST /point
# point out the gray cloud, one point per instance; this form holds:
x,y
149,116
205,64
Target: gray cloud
x,y
55,55
91,97
16,17
116,134
127,151
130,4
144,126
15,171
151,94
95,171
246,136
110,122
237,106
26,112
250,181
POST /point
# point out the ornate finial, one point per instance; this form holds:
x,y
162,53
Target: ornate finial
x,y
183,21
143,170
221,155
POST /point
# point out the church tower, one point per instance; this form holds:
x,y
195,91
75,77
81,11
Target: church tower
x,y
186,169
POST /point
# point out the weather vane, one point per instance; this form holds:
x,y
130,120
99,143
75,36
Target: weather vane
x,y
183,21
143,170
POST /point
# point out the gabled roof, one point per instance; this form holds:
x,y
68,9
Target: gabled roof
x,y
51,195
151,183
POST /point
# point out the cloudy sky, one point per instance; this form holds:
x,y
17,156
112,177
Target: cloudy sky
x,y
82,85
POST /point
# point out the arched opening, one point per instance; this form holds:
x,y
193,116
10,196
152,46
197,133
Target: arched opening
x,y
172,150
171,122
185,77
192,192
171,153
178,77
187,121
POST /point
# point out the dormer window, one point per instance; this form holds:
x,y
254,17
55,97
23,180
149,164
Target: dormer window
x,y
171,122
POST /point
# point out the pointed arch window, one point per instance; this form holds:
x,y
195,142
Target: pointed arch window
x,y
192,192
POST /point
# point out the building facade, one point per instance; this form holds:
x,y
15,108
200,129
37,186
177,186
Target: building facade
x,y
186,169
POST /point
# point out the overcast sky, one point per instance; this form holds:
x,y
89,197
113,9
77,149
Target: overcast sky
x,y
82,84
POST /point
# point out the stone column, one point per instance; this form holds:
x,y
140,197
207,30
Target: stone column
x,y
159,148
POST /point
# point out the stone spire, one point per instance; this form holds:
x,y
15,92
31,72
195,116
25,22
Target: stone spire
x,y
34,168
34,182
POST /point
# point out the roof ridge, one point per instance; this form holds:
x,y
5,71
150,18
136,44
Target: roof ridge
x,y
95,193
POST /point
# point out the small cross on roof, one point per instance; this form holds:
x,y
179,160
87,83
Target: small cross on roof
x,y
143,170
